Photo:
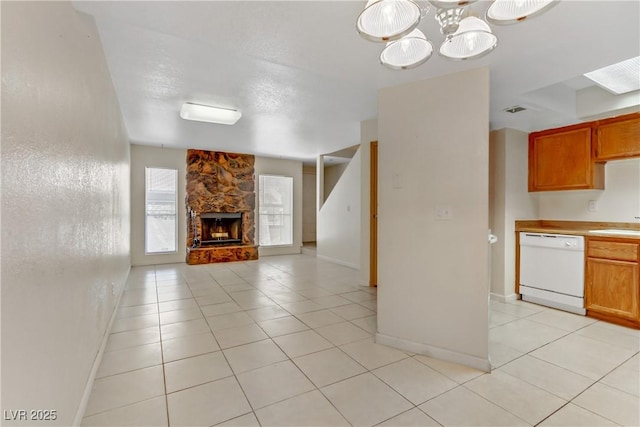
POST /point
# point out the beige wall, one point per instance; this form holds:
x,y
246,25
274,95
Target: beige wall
x,y
143,156
339,219
65,207
618,202
509,201
433,283
332,174
308,204
146,156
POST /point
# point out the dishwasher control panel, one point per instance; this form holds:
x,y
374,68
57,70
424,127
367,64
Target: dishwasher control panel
x,y
552,240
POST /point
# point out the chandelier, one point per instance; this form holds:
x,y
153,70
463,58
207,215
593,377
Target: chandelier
x,y
395,23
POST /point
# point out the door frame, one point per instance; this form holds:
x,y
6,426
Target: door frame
x,y
373,215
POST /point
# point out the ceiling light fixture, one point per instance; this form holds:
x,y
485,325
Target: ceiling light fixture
x,y
466,36
387,20
618,78
503,12
408,52
472,39
206,113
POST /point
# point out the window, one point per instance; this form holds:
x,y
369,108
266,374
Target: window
x,y
161,200
275,201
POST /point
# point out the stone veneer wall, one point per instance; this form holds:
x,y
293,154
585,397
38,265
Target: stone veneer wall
x,y
221,182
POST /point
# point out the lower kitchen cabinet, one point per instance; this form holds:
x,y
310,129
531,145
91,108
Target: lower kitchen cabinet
x,y
612,288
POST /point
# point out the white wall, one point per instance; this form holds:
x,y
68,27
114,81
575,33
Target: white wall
x,y
368,133
339,219
293,168
308,204
146,156
65,207
433,283
509,201
332,174
618,202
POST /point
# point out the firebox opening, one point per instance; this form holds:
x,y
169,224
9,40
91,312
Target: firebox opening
x,y
221,228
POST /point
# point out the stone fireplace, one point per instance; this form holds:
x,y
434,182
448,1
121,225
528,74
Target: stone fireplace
x,y
220,207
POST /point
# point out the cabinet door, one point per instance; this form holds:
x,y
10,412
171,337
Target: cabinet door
x,y
612,288
618,138
560,159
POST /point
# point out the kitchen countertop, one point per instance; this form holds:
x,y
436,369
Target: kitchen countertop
x,y
580,228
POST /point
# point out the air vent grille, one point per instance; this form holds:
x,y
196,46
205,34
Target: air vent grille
x,y
514,109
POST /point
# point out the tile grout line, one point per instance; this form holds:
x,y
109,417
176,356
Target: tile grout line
x,y
164,376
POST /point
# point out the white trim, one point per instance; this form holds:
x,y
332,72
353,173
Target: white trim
x,y
337,261
289,215
146,214
435,352
503,298
308,251
86,394
279,250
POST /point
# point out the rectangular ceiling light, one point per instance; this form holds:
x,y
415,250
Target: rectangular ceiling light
x,y
205,113
618,78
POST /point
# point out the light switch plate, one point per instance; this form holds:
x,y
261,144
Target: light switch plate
x,y
397,180
444,213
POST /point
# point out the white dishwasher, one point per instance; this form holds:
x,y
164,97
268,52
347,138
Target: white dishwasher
x,y
552,270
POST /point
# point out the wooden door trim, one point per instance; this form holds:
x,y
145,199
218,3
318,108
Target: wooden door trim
x,y
373,217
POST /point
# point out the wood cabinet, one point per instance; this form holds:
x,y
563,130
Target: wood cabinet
x,y
562,159
618,137
573,157
612,286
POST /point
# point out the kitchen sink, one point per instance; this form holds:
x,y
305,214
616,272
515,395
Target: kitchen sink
x,y
618,232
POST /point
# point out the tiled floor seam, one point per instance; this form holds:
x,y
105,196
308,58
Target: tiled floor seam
x,y
404,412
164,374
552,414
494,404
235,377
587,409
537,348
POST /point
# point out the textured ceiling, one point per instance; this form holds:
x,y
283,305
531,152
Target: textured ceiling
x,y
304,79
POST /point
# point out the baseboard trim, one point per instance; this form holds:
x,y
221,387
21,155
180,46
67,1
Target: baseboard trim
x,y
503,298
435,352
308,251
337,261
82,407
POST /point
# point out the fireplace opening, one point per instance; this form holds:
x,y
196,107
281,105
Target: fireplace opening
x,y
221,228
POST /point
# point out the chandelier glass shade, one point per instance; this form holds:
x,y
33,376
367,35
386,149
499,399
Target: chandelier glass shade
x,y
387,20
465,35
410,51
510,12
473,39
451,4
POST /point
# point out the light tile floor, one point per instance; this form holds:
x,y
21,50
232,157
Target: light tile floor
x,y
288,341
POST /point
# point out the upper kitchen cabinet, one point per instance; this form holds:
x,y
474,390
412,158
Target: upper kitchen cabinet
x,y
562,159
618,137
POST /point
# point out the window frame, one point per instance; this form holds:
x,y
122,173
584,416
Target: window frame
x,y
146,213
290,178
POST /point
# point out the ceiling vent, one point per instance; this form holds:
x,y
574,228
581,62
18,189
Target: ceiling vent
x,y
514,109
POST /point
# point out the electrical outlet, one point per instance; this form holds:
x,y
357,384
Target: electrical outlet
x,y
444,213
397,181
592,206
